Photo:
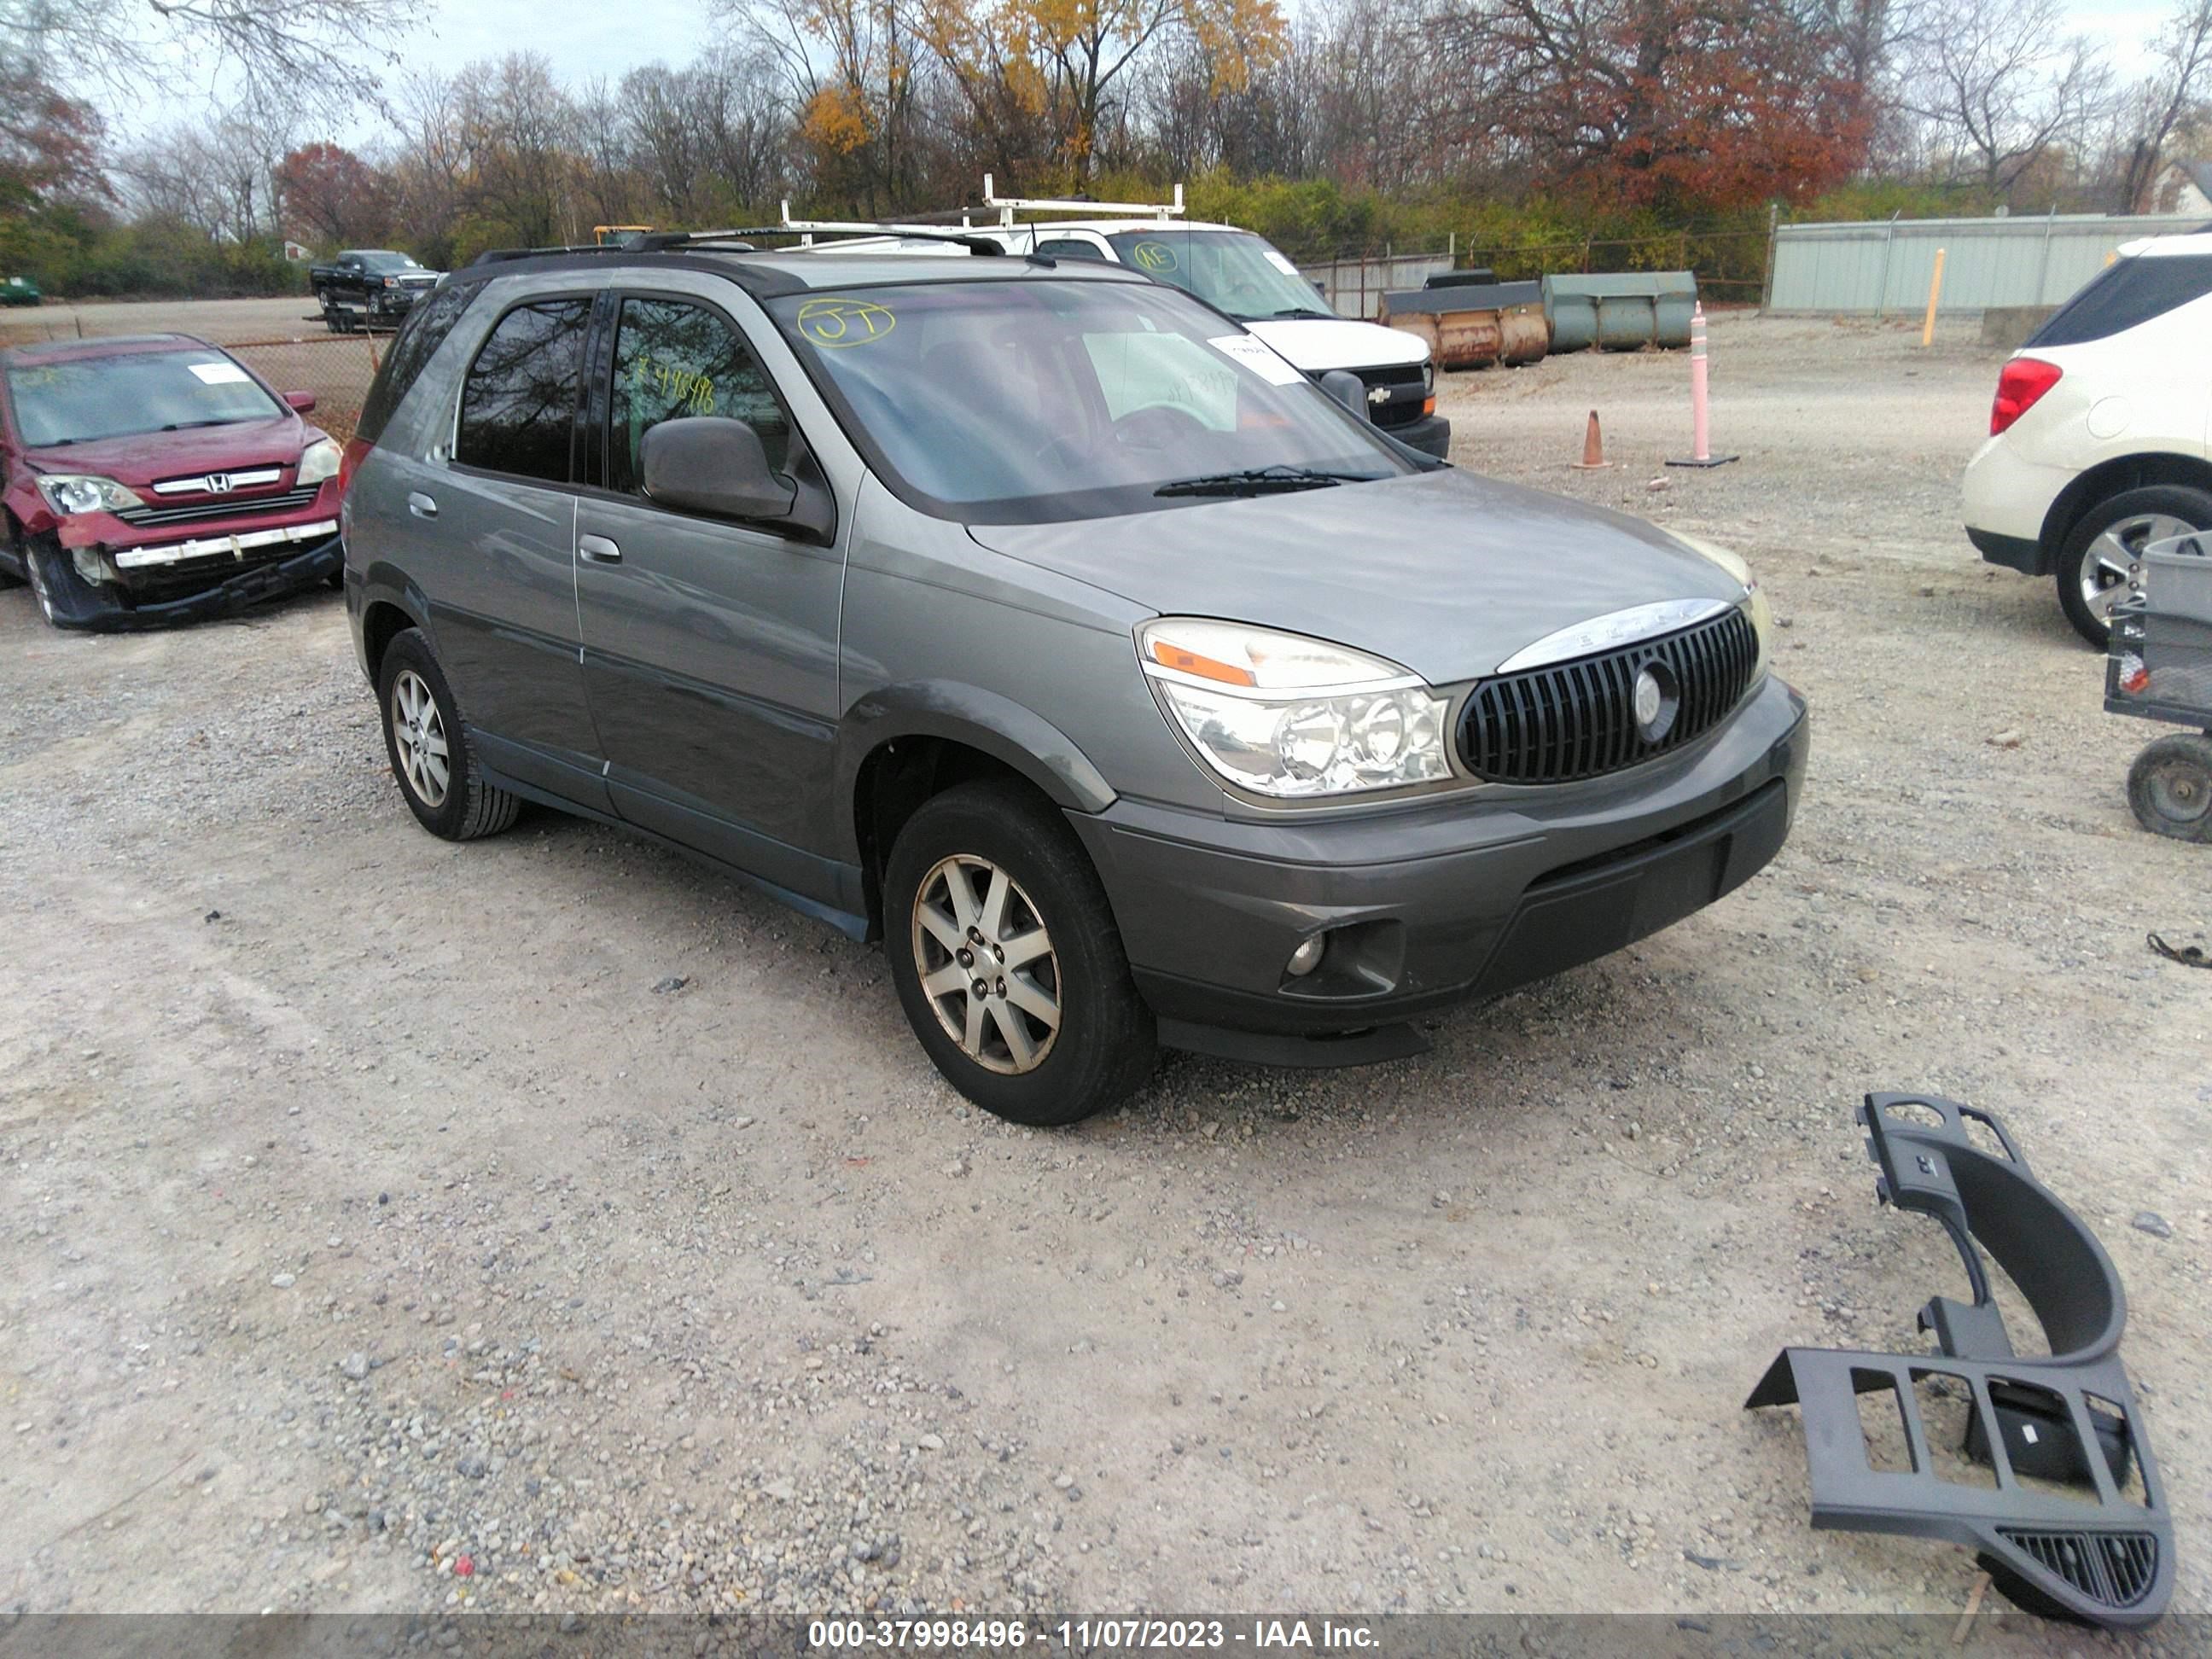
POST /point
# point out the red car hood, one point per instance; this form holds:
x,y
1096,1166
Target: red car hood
x,y
142,458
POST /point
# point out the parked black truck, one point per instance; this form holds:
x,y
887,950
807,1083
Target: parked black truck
x,y
369,287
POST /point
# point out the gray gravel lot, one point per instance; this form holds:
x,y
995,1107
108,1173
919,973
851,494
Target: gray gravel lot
x,y
375,1235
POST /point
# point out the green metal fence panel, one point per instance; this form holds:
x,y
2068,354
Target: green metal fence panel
x,y
1880,267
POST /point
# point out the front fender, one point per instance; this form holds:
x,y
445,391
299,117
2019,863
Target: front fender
x,y
985,721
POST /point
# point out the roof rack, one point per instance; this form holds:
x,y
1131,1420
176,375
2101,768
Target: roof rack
x,y
807,229
1008,205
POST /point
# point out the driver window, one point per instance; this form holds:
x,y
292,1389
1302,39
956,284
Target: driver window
x,y
1068,247
674,359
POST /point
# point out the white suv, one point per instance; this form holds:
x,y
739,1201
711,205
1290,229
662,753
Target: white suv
x,y
2097,440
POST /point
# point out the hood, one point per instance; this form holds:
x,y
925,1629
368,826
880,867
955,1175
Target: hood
x,y
141,458
1447,573
1317,344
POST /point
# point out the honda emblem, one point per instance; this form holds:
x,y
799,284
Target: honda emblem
x,y
217,483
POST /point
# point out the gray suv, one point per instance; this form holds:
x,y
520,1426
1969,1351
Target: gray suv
x,y
1039,620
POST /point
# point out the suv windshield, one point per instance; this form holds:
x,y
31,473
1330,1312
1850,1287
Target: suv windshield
x,y
1013,402
1240,273
81,399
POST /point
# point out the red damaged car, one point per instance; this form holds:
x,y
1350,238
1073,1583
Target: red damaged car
x,y
155,478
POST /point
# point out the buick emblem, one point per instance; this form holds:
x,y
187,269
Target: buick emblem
x,y
218,483
1655,703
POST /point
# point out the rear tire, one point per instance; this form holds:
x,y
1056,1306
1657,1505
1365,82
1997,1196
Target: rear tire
x,y
987,889
432,751
2170,787
2101,561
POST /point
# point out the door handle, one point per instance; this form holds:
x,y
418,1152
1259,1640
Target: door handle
x,y
597,549
422,505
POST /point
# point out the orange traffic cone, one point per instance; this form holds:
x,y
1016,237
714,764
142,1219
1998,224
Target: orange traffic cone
x,y
1593,459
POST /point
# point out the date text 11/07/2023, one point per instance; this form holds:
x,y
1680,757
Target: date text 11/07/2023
x,y
1093,1635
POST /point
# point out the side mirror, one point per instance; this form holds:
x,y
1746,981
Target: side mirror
x,y
1347,389
302,401
711,463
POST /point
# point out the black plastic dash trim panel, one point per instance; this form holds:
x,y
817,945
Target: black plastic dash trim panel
x,y
2097,1556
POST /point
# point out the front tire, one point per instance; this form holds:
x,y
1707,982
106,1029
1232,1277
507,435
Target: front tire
x,y
2170,787
1007,959
2101,562
432,751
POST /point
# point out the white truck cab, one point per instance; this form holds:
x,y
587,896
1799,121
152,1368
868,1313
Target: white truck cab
x,y
1231,270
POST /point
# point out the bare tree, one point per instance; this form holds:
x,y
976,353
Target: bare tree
x,y
2160,105
325,53
2001,86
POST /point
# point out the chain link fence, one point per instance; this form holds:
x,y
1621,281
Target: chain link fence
x,y
336,368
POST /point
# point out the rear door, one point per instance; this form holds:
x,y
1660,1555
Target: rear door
x,y
494,531
710,647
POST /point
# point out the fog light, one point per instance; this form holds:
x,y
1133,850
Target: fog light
x,y
1307,957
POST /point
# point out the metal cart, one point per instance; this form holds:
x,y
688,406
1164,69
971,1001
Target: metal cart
x,y
2160,668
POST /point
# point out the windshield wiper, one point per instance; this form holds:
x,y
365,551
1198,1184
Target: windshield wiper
x,y
1297,311
194,426
1262,480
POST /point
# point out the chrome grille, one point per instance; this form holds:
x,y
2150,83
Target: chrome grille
x,y
1577,720
298,498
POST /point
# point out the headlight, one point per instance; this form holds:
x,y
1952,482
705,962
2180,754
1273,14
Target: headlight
x,y
1755,600
1284,715
319,460
72,493
392,282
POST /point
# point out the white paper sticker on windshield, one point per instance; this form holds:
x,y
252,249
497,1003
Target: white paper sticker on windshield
x,y
1255,355
220,373
1281,262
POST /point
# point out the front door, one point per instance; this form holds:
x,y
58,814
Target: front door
x,y
710,648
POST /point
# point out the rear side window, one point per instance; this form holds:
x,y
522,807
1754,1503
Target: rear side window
x,y
519,402
419,338
2125,292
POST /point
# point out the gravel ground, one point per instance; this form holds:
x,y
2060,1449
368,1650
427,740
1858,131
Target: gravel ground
x,y
546,1224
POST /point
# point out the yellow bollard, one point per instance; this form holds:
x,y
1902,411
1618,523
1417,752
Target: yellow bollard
x,y
1935,289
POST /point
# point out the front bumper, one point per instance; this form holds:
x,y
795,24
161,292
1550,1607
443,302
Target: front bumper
x,y
103,608
1432,905
1430,434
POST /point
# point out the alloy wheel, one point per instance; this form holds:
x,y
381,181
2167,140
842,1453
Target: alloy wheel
x,y
418,732
2111,565
986,965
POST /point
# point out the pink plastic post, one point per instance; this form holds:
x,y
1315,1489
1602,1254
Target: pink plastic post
x,y
1700,425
